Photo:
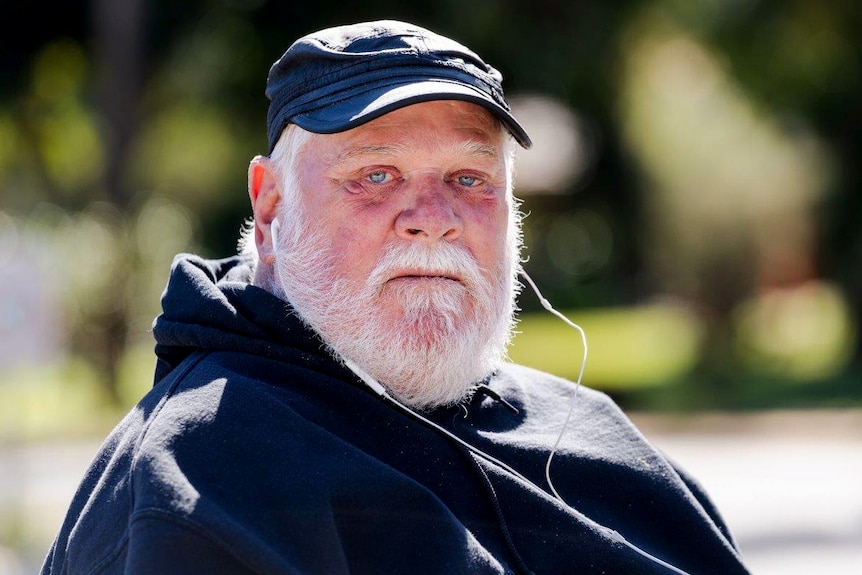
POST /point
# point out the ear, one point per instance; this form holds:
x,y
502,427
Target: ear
x,y
265,195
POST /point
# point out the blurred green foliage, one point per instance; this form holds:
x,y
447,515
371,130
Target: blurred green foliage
x,y
717,170
707,234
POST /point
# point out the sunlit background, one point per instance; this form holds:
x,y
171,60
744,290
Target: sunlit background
x,y
693,202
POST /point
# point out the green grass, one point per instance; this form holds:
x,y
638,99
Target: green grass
x,y
628,348
65,399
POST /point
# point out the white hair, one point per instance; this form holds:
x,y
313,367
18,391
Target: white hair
x,y
284,160
448,338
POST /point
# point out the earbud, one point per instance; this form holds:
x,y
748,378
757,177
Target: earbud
x,y
273,230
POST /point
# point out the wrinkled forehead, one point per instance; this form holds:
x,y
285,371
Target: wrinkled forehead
x,y
468,130
423,130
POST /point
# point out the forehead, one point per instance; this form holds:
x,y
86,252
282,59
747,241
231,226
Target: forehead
x,y
444,124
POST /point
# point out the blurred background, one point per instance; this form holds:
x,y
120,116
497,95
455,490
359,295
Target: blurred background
x,y
693,201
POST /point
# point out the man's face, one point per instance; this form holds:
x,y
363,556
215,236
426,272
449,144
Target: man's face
x,y
401,240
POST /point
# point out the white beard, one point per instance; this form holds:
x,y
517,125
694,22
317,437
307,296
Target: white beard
x,y
447,338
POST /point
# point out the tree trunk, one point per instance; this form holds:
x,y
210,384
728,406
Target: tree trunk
x,y
118,53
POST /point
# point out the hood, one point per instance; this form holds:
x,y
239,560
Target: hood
x,y
211,305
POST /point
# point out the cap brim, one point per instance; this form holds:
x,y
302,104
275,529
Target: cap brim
x,y
363,107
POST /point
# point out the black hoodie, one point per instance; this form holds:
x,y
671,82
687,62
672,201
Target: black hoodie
x,y
256,452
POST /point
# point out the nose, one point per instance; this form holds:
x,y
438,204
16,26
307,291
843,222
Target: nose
x,y
429,213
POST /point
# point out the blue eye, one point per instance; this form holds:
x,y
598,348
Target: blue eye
x,y
378,177
468,181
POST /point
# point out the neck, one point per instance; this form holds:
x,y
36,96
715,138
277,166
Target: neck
x,y
264,277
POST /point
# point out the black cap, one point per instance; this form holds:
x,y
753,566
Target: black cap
x,y
339,78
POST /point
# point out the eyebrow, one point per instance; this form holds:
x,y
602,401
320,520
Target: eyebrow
x,y
474,148
366,150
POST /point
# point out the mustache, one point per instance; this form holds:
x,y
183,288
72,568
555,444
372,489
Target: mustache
x,y
441,259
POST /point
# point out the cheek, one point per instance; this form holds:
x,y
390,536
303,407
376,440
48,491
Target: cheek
x,y
355,250
488,232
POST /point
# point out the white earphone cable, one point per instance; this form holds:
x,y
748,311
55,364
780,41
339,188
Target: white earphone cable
x,y
547,305
380,390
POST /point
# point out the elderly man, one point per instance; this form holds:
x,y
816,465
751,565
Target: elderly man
x,y
335,399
